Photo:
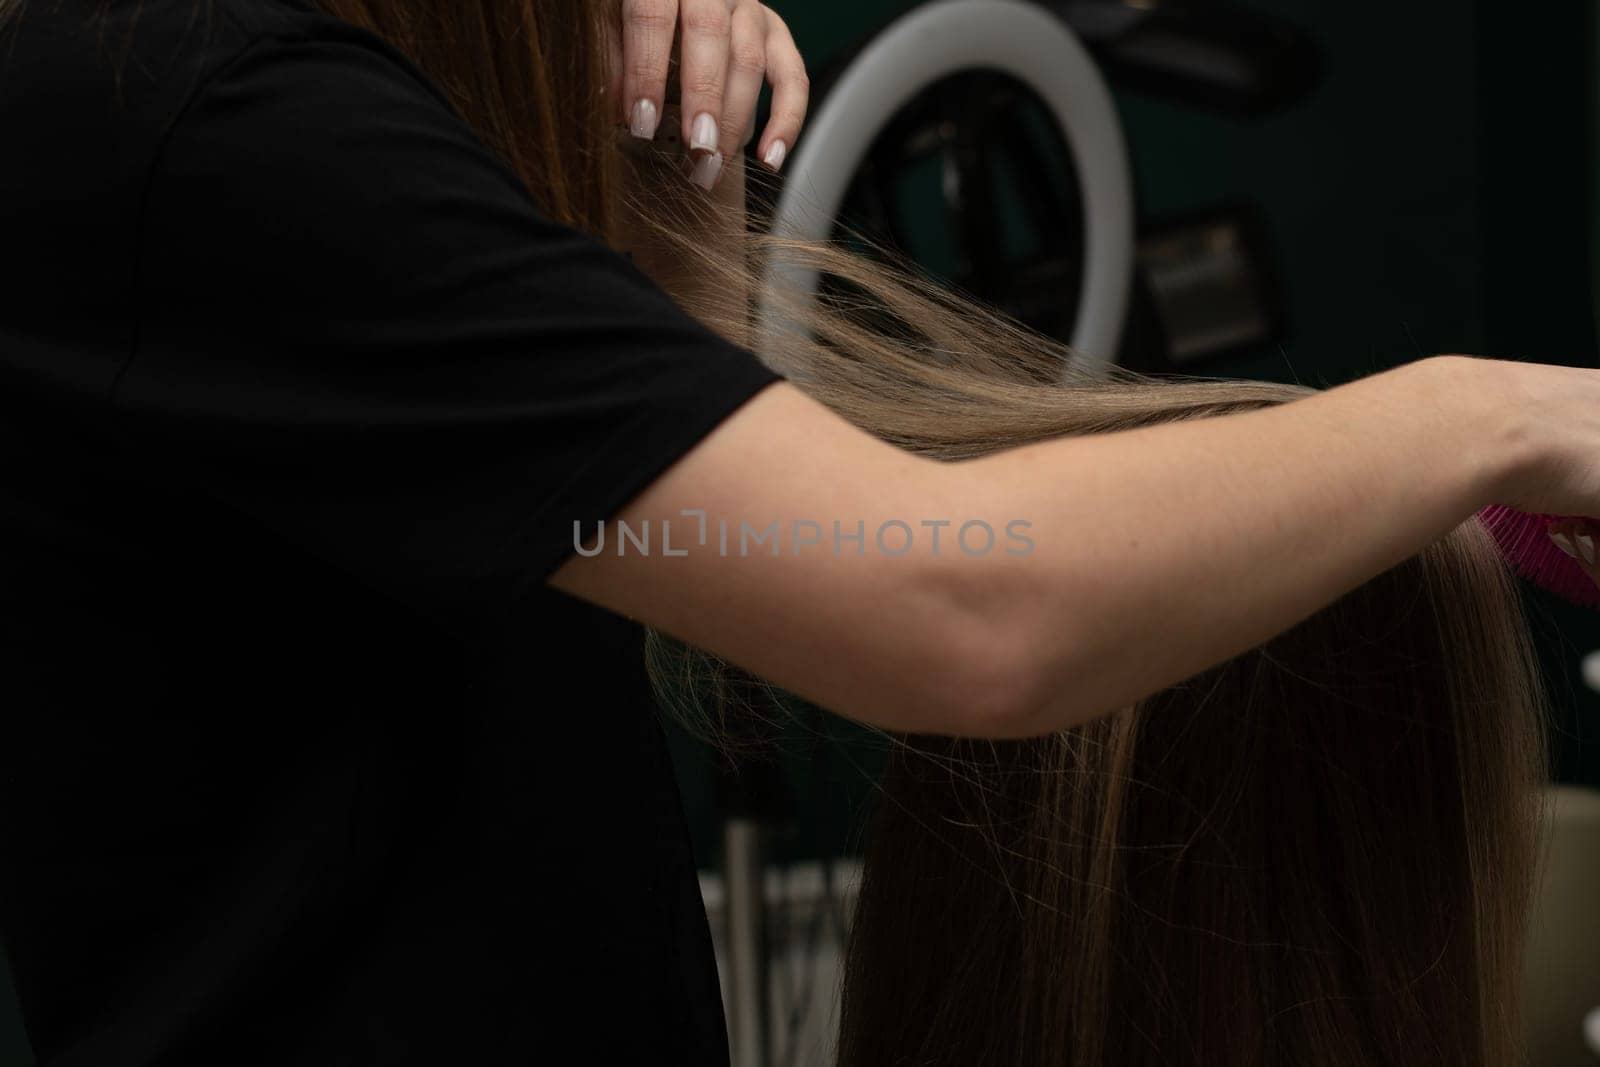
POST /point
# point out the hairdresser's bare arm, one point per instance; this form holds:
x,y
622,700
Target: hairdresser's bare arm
x,y
1158,552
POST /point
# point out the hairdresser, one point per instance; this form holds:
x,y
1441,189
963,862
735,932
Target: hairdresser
x,y
318,340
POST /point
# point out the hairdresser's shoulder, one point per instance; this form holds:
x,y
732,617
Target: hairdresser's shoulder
x,y
138,63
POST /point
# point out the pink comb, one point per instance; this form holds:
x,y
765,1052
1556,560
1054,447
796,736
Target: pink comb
x,y
1525,541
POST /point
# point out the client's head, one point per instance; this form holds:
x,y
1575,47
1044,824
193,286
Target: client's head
x,y
1319,852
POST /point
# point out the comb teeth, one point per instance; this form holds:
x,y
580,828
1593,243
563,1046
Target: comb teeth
x,y
1530,552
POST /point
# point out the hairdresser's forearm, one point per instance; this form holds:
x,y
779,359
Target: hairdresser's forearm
x,y
1157,553
1163,551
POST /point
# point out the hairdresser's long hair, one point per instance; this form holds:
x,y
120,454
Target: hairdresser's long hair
x,y
527,76
1317,853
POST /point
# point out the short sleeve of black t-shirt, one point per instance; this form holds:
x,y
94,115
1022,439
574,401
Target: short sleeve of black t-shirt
x,y
301,761
383,347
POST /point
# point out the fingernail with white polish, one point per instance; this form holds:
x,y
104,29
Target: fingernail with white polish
x,y
644,119
775,155
1586,546
703,135
1564,543
706,170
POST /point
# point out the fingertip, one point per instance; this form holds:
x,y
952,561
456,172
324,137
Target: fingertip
x,y
775,154
701,132
644,118
705,171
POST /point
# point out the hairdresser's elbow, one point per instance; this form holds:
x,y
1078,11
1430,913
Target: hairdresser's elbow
x,y
992,674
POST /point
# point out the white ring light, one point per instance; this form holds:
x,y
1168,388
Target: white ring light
x,y
933,42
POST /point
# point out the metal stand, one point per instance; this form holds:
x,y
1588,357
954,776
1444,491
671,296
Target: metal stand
x,y
754,798
749,1022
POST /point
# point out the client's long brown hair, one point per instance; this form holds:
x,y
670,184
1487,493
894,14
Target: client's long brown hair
x,y
1316,853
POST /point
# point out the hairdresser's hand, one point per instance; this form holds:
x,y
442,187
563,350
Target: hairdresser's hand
x,y
1535,427
729,49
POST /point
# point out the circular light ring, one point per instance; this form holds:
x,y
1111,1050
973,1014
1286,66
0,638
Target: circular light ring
x,y
944,38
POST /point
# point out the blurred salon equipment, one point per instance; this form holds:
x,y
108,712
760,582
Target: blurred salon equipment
x,y
979,138
927,64
1562,994
1205,54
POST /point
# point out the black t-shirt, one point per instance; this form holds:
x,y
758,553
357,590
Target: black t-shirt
x,y
300,395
